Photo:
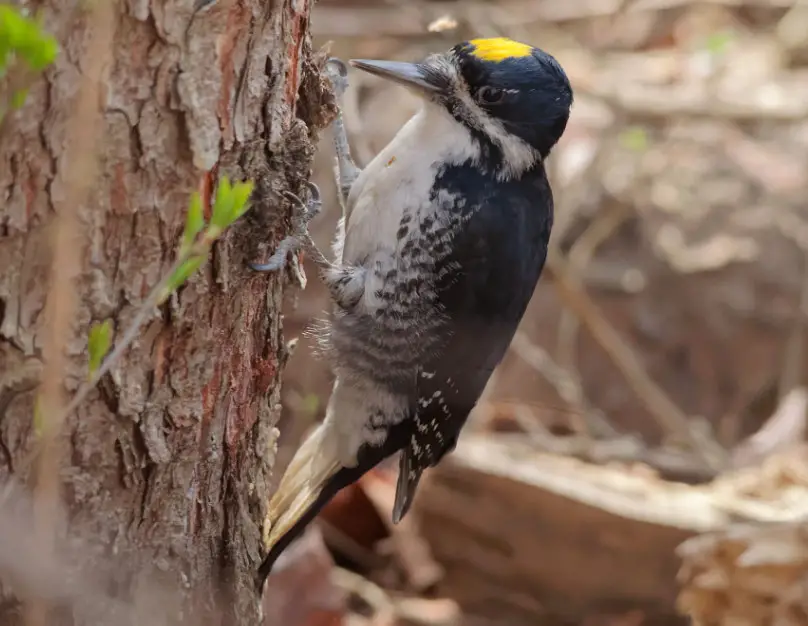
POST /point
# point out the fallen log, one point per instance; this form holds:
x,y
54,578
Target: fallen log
x,y
525,536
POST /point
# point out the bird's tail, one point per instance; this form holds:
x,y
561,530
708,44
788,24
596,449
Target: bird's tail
x,y
316,472
306,487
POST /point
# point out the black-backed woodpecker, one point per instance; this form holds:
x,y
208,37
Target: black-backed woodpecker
x,y
443,238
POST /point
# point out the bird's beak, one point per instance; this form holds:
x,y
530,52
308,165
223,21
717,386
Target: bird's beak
x,y
414,75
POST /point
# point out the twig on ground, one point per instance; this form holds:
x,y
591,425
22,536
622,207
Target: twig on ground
x,y
389,611
359,554
672,464
482,411
384,613
656,401
794,364
412,552
428,612
581,253
783,429
533,427
566,385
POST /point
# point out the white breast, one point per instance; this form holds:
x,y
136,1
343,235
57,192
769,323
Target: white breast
x,y
399,179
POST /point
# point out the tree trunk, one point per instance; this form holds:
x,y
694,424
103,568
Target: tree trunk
x,y
162,473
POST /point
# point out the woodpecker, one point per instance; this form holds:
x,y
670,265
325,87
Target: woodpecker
x,y
442,240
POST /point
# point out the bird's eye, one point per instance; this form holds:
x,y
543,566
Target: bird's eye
x,y
490,95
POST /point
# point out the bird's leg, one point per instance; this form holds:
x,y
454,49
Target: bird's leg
x,y
302,214
346,170
346,283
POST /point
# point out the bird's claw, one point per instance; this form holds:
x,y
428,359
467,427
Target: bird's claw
x,y
315,204
338,74
302,214
278,260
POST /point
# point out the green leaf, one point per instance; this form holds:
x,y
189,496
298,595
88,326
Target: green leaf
x,y
98,344
43,53
23,37
223,206
181,274
241,199
39,418
717,43
634,138
12,26
194,223
311,404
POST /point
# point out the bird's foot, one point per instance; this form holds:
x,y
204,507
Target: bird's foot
x,y
346,171
299,239
338,75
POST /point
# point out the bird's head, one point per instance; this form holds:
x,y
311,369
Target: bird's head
x,y
510,95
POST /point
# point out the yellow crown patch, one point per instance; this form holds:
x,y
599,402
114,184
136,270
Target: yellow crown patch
x,y
498,49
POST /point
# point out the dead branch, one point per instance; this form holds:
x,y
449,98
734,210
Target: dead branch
x,y
566,385
782,430
580,255
384,613
533,427
671,464
659,405
412,552
428,612
794,364
390,611
336,539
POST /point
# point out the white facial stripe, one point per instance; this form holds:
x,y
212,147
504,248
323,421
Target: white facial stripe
x,y
517,155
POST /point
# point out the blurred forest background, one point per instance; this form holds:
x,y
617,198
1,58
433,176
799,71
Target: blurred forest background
x,y
639,455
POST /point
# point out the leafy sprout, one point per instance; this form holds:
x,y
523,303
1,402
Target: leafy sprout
x,y
98,344
25,51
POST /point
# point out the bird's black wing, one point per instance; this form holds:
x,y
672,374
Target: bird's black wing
x,y
495,262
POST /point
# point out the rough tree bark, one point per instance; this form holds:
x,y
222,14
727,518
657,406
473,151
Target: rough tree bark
x,y
164,469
